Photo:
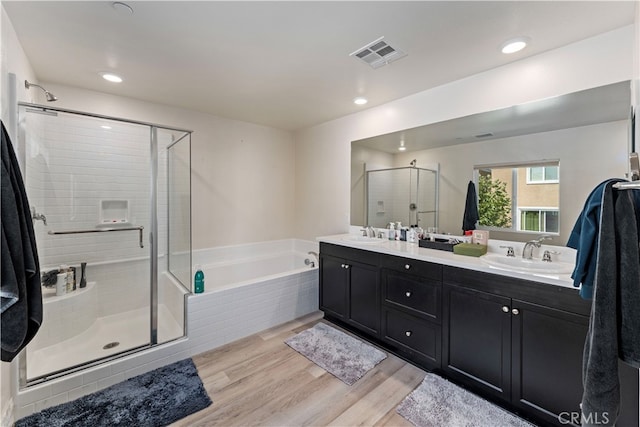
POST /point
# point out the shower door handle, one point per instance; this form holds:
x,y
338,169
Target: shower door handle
x,y
140,228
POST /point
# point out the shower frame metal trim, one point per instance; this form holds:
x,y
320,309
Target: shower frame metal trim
x,y
45,109
22,381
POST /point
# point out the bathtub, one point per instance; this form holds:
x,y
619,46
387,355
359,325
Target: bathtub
x,y
250,288
267,261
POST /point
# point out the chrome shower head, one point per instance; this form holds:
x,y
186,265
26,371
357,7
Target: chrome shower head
x,y
50,97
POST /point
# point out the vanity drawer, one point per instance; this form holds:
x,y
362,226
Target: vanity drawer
x,y
413,334
407,265
413,293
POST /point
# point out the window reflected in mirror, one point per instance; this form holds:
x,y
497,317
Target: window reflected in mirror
x,y
520,198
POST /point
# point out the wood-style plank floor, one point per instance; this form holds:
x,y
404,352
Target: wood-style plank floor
x,y
260,381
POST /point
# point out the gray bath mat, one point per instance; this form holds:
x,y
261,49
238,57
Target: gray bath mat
x,y
437,402
154,399
343,356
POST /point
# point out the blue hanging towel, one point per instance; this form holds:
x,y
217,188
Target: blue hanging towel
x,y
471,215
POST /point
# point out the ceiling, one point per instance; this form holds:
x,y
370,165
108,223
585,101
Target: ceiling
x,y
597,105
287,64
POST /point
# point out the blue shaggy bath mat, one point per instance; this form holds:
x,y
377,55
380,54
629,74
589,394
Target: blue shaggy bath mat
x,y
154,399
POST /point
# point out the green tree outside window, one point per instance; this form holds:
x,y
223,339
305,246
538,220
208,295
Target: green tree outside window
x,y
494,203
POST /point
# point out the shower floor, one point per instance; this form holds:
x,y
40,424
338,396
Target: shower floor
x,y
130,329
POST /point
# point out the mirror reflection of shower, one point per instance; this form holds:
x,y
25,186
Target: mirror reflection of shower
x,y
50,97
405,194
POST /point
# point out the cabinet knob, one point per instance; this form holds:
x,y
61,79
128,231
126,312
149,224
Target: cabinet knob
x,y
515,311
408,333
407,266
505,308
347,266
408,294
342,265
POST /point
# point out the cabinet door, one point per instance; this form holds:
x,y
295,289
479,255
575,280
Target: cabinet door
x,y
477,340
547,359
334,278
364,298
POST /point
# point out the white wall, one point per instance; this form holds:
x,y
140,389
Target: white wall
x,y
323,151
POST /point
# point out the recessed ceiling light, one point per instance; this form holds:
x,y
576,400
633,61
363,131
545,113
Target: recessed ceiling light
x,y
360,100
514,45
105,127
402,147
110,77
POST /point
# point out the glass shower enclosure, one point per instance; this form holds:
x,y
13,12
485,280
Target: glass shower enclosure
x,y
405,194
111,205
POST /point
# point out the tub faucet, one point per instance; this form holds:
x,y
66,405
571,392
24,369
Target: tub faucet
x,y
527,251
309,262
38,216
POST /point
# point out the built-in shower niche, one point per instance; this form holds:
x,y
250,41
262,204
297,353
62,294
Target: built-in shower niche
x,y
113,213
405,194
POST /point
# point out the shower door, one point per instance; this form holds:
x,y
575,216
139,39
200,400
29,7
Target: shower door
x,y
96,182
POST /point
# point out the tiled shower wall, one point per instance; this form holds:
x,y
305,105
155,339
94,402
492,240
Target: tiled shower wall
x,y
72,163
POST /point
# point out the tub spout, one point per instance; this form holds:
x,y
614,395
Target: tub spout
x,y
309,262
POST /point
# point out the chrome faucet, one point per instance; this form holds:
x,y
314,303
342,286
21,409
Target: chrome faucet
x,y
368,231
310,262
531,244
37,216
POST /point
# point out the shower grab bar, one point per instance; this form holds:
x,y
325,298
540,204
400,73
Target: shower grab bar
x,y
101,230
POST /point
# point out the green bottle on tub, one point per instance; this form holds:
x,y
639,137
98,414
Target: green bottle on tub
x,y
198,283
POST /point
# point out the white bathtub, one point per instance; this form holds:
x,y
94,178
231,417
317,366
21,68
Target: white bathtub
x,y
250,288
234,266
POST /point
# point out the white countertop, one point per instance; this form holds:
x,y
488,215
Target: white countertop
x,y
413,251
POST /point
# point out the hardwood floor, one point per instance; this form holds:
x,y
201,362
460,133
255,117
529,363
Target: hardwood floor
x,y
260,381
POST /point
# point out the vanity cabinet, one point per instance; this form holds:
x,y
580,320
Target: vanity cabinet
x,y
525,353
514,341
349,287
412,308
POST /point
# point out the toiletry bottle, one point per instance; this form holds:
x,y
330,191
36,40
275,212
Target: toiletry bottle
x,y
392,231
398,228
73,278
83,278
61,284
198,283
68,277
411,235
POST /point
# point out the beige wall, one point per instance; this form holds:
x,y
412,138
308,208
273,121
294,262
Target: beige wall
x,y
323,152
541,195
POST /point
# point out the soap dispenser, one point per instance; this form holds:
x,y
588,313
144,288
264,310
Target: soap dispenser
x,y
392,231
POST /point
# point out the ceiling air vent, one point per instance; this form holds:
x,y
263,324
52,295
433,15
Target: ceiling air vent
x,y
378,53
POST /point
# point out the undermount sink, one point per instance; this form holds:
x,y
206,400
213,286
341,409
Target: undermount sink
x,y
527,265
363,239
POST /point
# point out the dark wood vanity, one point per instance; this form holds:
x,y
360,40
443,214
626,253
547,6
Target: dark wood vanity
x,y
513,341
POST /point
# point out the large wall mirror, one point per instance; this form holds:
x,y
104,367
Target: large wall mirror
x,y
575,140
